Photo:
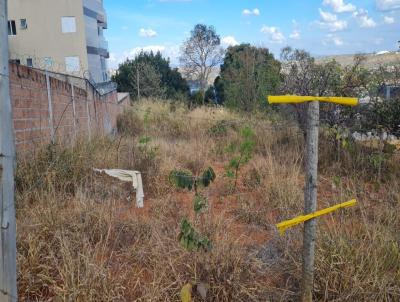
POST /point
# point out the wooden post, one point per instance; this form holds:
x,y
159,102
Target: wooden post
x,y
8,271
310,200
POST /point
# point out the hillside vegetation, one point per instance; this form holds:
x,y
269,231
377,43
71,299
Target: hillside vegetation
x,y
372,61
80,237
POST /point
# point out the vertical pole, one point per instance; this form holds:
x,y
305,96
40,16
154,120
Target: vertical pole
x,y
88,120
8,266
74,110
138,82
50,108
87,111
310,200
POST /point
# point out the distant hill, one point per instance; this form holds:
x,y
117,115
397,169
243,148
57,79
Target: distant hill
x,y
372,62
214,73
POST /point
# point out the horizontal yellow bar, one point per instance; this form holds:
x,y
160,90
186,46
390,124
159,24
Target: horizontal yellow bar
x,y
295,99
283,226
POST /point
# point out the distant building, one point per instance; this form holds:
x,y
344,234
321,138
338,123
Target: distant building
x,y
194,86
64,36
389,91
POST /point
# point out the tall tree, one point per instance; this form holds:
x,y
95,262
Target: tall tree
x,y
248,75
201,53
152,76
303,76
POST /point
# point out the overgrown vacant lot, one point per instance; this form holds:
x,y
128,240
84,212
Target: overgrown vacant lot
x,y
80,237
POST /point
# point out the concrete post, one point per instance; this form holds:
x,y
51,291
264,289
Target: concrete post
x,y
8,266
310,200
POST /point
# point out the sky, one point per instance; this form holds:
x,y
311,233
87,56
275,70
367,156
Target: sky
x,y
322,27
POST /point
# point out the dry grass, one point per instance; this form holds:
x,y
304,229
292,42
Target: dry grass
x,y
80,239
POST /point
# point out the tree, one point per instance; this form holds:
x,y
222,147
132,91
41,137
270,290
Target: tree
x,y
201,53
303,76
150,75
248,75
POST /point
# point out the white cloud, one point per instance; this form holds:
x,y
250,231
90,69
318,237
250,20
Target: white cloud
x,y
295,35
229,41
248,12
273,34
332,39
337,41
327,17
388,20
388,4
147,33
363,19
339,6
331,22
112,58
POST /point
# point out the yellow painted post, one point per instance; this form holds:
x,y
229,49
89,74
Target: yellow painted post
x,y
310,192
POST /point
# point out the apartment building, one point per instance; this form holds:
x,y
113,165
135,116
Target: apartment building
x,y
64,36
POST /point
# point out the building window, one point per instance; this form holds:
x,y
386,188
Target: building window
x,y
72,64
29,62
48,63
23,24
12,29
68,24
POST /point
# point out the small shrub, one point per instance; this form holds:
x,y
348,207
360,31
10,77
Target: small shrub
x,y
220,129
191,239
242,152
188,236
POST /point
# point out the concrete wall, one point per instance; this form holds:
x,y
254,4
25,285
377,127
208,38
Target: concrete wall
x,y
75,111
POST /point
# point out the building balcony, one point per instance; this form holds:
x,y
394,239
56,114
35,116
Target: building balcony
x,y
102,19
103,48
95,9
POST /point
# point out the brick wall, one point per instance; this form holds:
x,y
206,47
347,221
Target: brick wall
x,y
49,107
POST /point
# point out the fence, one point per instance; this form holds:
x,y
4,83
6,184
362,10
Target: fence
x,y
50,107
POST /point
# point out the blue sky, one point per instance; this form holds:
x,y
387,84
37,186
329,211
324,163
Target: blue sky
x,y
322,27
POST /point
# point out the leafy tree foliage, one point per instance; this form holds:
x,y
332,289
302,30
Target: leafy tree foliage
x,y
248,75
152,76
382,116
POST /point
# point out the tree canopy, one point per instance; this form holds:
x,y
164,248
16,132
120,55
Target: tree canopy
x,y
152,76
248,75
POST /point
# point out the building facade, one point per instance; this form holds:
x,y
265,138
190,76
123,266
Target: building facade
x,y
64,36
